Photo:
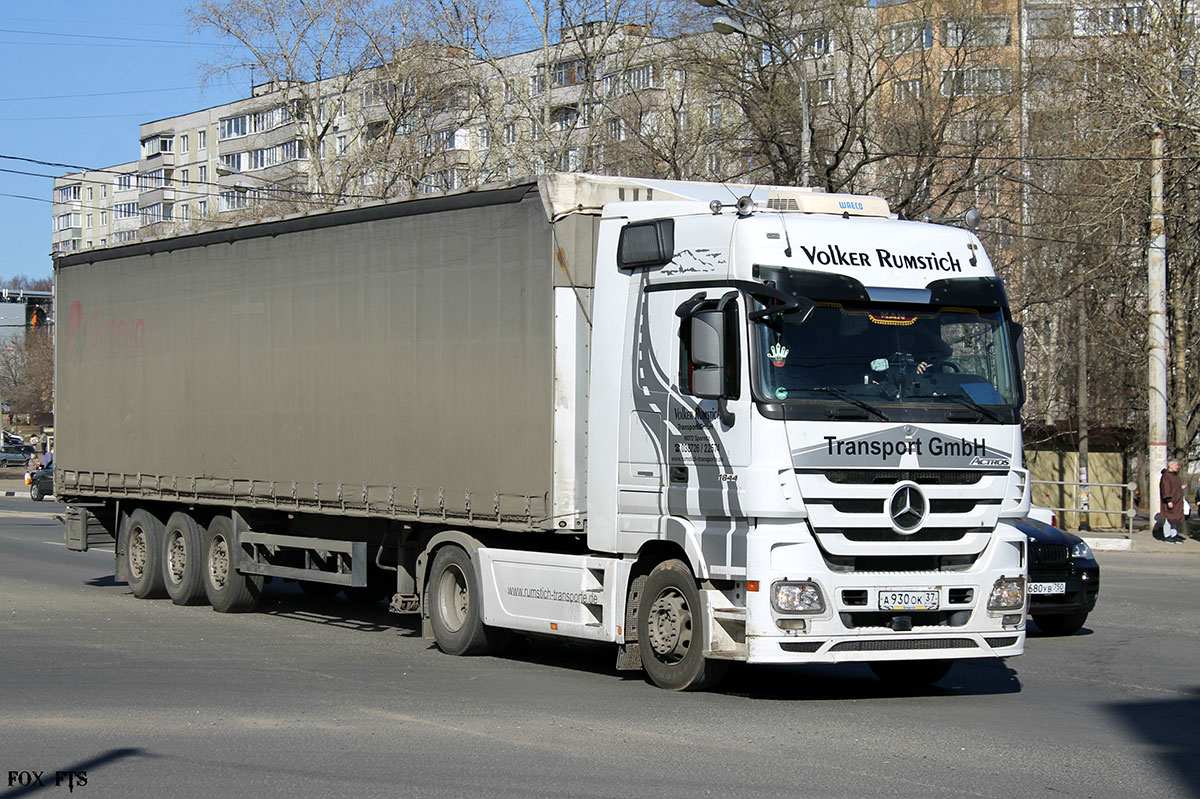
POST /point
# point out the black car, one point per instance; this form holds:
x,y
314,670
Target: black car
x,y
42,484
1064,578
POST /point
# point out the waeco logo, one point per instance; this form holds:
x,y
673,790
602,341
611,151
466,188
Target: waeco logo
x,y
852,205
100,332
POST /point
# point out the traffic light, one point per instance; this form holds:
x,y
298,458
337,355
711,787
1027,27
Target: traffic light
x,y
35,316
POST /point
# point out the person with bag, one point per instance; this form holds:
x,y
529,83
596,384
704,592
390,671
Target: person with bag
x,y
1170,492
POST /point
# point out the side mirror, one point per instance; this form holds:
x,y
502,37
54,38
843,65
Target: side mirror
x,y
707,331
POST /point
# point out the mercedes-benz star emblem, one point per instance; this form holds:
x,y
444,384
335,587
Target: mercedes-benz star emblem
x,y
908,509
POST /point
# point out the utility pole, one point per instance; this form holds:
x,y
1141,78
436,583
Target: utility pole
x,y
1156,267
1082,409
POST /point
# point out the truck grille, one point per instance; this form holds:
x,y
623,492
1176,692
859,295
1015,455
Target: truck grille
x,y
887,534
858,505
938,477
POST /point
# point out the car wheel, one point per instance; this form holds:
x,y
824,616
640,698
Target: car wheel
x,y
1061,624
35,492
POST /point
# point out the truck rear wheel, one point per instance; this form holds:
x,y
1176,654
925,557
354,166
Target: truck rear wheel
x,y
227,589
911,672
456,605
183,563
143,555
670,633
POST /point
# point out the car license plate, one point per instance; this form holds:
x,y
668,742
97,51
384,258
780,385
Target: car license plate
x,y
1047,588
918,599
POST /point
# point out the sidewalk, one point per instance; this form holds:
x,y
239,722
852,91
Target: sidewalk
x,y
12,484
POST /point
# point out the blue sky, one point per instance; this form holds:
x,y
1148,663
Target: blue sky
x,y
78,79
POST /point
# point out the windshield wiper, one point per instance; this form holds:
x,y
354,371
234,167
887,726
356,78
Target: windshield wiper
x,y
842,394
961,399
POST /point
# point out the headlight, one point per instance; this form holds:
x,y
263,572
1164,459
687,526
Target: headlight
x,y
1082,550
1008,593
797,598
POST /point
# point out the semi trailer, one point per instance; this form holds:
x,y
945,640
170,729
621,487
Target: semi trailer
x,y
704,423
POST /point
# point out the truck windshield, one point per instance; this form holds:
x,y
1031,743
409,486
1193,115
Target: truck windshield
x,y
883,358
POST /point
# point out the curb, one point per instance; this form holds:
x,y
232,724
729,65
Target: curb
x,y
1108,543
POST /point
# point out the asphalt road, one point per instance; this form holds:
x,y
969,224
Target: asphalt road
x,y
310,699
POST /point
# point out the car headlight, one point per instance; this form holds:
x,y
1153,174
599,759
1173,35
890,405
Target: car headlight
x,y
801,597
1082,550
1008,593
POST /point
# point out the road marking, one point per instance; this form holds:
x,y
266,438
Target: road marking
x,y
25,514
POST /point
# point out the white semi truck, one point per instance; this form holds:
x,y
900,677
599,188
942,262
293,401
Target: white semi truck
x,y
704,423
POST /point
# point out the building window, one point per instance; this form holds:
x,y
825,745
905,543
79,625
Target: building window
x,y
510,133
568,73
714,116
68,194
484,137
125,210
232,128
203,174
908,37
905,91
90,193
183,143
974,81
103,218
124,182
821,91
185,212
977,32
342,145
202,140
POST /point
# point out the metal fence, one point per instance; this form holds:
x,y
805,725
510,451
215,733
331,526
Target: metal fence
x,y
1084,491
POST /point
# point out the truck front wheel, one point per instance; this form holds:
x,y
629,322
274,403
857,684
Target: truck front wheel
x,y
183,564
228,590
143,555
456,605
671,633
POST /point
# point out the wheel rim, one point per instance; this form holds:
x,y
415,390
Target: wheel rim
x,y
137,553
176,557
218,562
670,626
453,599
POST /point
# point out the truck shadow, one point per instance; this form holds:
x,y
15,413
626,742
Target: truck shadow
x,y
68,776
814,682
285,599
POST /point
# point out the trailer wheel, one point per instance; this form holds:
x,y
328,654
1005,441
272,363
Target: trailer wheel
x,y
910,673
183,563
456,607
143,555
228,590
670,635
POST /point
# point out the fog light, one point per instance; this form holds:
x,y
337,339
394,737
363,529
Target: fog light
x,y
1008,593
1011,620
802,597
792,624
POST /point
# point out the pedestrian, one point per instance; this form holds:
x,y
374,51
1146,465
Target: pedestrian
x,y
49,459
1170,491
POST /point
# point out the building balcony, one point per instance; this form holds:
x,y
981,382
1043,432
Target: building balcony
x,y
162,194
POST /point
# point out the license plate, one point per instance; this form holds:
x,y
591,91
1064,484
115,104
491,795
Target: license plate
x,y
919,599
1047,588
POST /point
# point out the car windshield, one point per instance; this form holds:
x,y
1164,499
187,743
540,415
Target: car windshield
x,y
879,356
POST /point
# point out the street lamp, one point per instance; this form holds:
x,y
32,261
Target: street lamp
x,y
725,26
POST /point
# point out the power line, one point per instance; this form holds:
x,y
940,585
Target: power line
x,y
94,94
110,38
